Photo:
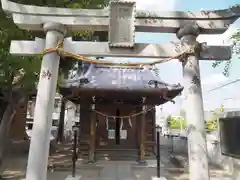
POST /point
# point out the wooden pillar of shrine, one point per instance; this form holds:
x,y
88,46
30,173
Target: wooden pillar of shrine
x,y
91,157
142,134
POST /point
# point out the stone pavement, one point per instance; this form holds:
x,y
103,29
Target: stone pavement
x,y
117,171
114,171
15,166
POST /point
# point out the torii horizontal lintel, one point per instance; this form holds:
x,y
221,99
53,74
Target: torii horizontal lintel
x,y
32,17
74,24
12,7
140,50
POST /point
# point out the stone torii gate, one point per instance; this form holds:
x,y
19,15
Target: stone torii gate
x,y
121,21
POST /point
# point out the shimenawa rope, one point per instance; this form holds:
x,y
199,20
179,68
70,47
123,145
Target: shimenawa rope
x,y
78,57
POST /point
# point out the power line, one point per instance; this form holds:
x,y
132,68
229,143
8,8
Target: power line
x,y
229,83
219,87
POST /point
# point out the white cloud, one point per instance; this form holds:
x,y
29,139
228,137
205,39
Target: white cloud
x,y
214,79
156,5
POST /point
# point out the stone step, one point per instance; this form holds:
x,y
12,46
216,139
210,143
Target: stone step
x,y
149,135
100,158
126,154
150,142
84,147
147,148
84,141
117,154
117,149
116,158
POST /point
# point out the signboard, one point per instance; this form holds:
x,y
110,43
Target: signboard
x,y
122,24
229,136
123,134
111,134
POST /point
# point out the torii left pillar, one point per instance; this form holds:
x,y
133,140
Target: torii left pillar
x,y
40,139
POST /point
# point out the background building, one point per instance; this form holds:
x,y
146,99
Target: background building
x,y
71,114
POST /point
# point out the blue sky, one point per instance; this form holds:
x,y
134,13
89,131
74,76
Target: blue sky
x,y
210,77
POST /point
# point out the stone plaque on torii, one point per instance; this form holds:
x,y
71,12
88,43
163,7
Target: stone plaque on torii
x,y
121,21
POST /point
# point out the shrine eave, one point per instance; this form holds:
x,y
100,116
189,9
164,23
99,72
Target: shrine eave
x,y
154,92
32,17
120,96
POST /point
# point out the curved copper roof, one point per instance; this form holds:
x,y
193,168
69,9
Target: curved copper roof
x,y
119,79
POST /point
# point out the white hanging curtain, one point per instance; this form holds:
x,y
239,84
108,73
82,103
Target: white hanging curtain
x,y
121,126
107,123
130,122
96,123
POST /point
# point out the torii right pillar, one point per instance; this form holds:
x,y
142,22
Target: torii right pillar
x,y
193,104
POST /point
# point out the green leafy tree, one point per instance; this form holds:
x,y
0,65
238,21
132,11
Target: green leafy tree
x,y
235,49
19,75
177,123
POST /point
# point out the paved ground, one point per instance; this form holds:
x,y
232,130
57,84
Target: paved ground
x,y
60,167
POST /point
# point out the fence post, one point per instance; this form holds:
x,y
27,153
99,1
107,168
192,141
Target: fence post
x,y
74,154
158,128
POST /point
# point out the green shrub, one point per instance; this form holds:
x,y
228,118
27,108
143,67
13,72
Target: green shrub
x,y
175,123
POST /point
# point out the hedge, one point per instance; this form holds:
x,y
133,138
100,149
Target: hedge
x,y
176,124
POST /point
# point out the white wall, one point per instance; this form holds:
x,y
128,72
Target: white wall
x,y
214,151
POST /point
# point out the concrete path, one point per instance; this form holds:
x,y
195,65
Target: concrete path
x,y
117,171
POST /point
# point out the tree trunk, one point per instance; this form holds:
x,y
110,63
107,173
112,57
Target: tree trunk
x,y
6,122
17,129
4,128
